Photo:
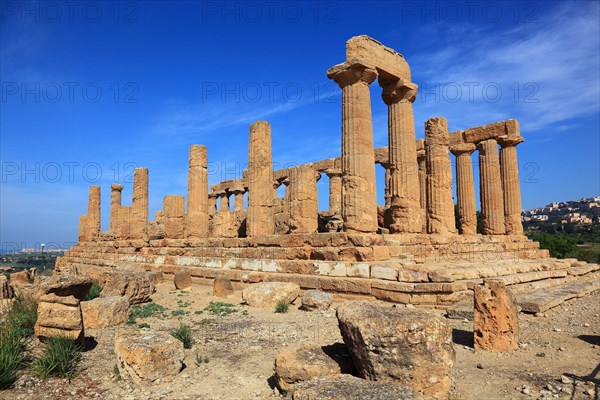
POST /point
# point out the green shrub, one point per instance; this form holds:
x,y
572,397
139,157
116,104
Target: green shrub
x,y
219,308
184,334
282,306
22,316
143,325
11,355
59,357
200,360
144,311
117,372
94,291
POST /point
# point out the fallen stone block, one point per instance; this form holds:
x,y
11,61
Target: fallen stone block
x,y
182,280
59,316
136,285
408,346
310,362
103,312
268,294
144,357
222,287
65,286
496,318
316,300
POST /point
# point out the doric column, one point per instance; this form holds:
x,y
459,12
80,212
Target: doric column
x,y
173,211
422,160
93,215
404,212
335,190
223,200
387,191
303,204
261,193
440,208
465,188
115,202
490,188
124,216
509,170
139,203
238,196
212,203
196,217
82,236
359,198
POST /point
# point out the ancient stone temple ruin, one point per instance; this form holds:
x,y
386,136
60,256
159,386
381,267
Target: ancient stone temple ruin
x,y
408,251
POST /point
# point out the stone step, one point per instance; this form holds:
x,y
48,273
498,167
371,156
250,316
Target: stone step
x,y
542,300
532,286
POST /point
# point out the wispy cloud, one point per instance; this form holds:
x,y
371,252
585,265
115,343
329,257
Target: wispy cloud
x,y
547,71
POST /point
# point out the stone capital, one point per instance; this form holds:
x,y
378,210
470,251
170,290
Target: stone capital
x,y
463,148
351,72
333,172
116,186
509,141
397,91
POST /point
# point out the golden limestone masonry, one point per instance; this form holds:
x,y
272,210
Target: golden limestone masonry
x,y
407,251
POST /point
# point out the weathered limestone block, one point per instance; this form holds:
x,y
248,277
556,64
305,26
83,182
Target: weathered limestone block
x,y
359,202
348,387
222,287
103,312
143,357
21,277
510,127
404,192
93,215
154,230
59,316
490,188
65,286
124,215
139,203
196,218
303,202
268,294
182,280
260,181
173,211
137,286
371,52
316,300
6,291
310,362
230,224
115,203
408,346
440,207
496,319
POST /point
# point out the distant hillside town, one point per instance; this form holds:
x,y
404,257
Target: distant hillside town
x,y
577,212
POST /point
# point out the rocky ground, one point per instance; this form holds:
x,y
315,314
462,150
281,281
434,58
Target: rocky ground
x,y
232,357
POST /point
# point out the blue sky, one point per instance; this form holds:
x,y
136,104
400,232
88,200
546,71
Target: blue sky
x,y
92,89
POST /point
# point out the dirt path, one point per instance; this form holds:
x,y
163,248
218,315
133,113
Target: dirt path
x,y
233,355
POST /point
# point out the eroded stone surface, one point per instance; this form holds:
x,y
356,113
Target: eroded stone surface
x,y
222,287
145,356
268,294
103,312
496,318
310,362
59,316
348,387
137,286
316,300
408,346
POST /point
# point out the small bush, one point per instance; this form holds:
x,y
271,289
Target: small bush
x,y
22,316
59,357
144,311
11,355
282,307
117,372
94,291
184,334
143,325
200,360
219,308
